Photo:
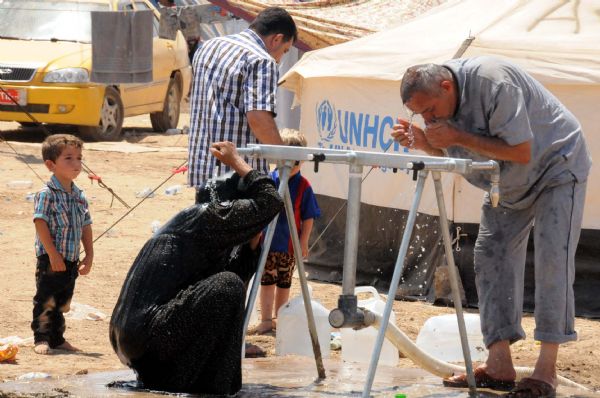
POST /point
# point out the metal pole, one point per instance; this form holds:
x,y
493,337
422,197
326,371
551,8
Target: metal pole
x,y
283,178
439,193
398,269
352,221
312,328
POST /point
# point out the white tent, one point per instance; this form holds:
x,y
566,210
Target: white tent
x,y
349,93
349,97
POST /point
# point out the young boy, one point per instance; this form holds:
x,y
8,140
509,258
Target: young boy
x,y
277,278
62,220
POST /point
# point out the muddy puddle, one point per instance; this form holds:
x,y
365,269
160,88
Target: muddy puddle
x,y
274,377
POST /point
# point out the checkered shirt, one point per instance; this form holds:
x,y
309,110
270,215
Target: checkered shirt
x,y
66,215
232,75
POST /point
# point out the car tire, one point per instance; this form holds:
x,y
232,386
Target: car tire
x,y
111,119
29,124
169,116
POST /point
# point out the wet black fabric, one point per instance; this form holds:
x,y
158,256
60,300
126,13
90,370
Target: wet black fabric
x,y
178,320
54,291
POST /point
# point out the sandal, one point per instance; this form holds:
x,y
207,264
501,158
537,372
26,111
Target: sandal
x,y
532,388
482,380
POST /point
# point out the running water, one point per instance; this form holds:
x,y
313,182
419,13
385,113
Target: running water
x,y
211,186
411,135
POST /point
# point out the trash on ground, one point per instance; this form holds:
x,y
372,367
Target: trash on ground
x,y
84,311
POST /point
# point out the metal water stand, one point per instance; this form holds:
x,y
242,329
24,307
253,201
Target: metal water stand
x,y
348,314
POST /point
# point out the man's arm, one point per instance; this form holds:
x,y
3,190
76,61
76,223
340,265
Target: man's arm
x,y
442,135
263,127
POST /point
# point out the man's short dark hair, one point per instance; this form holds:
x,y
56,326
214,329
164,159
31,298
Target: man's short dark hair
x,y
274,20
425,78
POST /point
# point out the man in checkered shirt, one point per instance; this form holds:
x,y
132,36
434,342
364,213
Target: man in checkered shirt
x,y
233,95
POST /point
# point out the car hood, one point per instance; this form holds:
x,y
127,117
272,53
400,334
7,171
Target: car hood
x,y
45,54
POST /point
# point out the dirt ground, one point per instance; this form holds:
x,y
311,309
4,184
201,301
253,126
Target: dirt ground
x,y
126,174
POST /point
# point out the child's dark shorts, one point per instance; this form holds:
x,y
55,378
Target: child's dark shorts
x,y
279,270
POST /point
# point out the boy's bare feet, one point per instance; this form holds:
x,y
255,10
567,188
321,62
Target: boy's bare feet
x,y
41,348
67,347
263,327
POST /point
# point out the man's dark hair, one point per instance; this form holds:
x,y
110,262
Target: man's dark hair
x,y
274,20
425,78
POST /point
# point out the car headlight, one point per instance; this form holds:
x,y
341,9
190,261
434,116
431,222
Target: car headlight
x,y
67,75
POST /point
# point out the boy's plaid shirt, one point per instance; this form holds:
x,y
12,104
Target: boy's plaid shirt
x,y
66,215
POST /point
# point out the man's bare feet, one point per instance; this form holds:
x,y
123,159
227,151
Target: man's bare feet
x,y
41,348
67,347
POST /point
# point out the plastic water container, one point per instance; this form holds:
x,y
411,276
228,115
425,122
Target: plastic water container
x,y
358,345
292,336
439,337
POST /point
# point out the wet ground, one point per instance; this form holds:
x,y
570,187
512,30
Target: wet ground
x,y
275,377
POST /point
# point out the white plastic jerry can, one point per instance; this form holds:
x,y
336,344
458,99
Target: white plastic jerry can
x,y
292,336
440,338
358,345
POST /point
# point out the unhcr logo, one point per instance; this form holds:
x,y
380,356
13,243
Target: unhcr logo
x,y
326,121
341,129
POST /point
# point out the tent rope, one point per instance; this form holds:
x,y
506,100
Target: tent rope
x,y
47,133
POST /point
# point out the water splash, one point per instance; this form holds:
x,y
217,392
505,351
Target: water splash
x,y
411,134
212,190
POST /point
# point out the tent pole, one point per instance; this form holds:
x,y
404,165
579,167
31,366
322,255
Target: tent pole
x,y
312,329
398,269
437,182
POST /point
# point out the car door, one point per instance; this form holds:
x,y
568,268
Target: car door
x,y
149,97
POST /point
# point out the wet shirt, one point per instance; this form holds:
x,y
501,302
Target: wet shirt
x,y
232,75
66,215
498,99
305,207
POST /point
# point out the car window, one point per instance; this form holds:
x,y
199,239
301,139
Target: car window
x,y
140,5
48,20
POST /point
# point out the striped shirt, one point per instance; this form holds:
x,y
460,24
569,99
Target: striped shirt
x,y
66,215
232,75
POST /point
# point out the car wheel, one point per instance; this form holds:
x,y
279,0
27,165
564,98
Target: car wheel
x,y
111,119
29,124
169,116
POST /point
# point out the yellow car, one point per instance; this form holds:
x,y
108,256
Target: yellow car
x,y
46,60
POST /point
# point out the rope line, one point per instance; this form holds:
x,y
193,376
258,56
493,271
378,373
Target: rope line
x,y
140,202
47,133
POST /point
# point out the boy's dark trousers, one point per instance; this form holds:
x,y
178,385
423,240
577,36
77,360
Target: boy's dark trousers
x,y
52,298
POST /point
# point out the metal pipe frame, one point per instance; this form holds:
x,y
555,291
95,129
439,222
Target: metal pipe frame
x,y
398,269
439,193
312,328
347,314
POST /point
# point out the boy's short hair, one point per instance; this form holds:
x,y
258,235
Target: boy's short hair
x,y
293,137
53,145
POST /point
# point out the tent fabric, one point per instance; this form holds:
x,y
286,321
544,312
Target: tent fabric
x,y
323,23
556,41
349,96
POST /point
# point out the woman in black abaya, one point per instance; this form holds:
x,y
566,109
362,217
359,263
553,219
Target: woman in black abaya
x,y
178,320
